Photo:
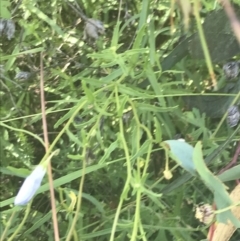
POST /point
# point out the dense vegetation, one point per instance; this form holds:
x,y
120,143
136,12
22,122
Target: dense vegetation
x,y
116,86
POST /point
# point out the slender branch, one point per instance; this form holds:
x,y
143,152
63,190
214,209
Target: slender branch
x,y
45,134
235,23
79,200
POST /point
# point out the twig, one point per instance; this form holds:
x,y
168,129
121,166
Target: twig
x,y
235,23
17,7
45,133
78,10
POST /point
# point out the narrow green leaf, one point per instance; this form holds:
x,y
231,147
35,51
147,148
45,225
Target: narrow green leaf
x,y
151,39
155,85
109,150
18,172
143,13
115,37
65,117
112,76
16,54
158,131
88,92
231,174
138,40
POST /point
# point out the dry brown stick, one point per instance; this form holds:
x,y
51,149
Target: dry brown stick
x,y
46,141
235,23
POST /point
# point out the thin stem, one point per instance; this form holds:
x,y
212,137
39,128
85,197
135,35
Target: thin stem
x,y
137,215
129,174
75,219
7,226
204,43
46,141
22,223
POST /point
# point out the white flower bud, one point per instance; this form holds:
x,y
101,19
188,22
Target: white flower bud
x,y
30,186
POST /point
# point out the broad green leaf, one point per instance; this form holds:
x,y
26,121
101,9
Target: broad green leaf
x,y
221,197
211,157
182,153
4,12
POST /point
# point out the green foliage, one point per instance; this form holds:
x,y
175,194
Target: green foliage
x,y
4,11
110,102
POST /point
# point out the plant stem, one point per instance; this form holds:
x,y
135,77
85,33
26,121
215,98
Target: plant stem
x,y
204,44
7,226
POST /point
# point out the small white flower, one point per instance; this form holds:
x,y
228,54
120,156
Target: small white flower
x,y
30,186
